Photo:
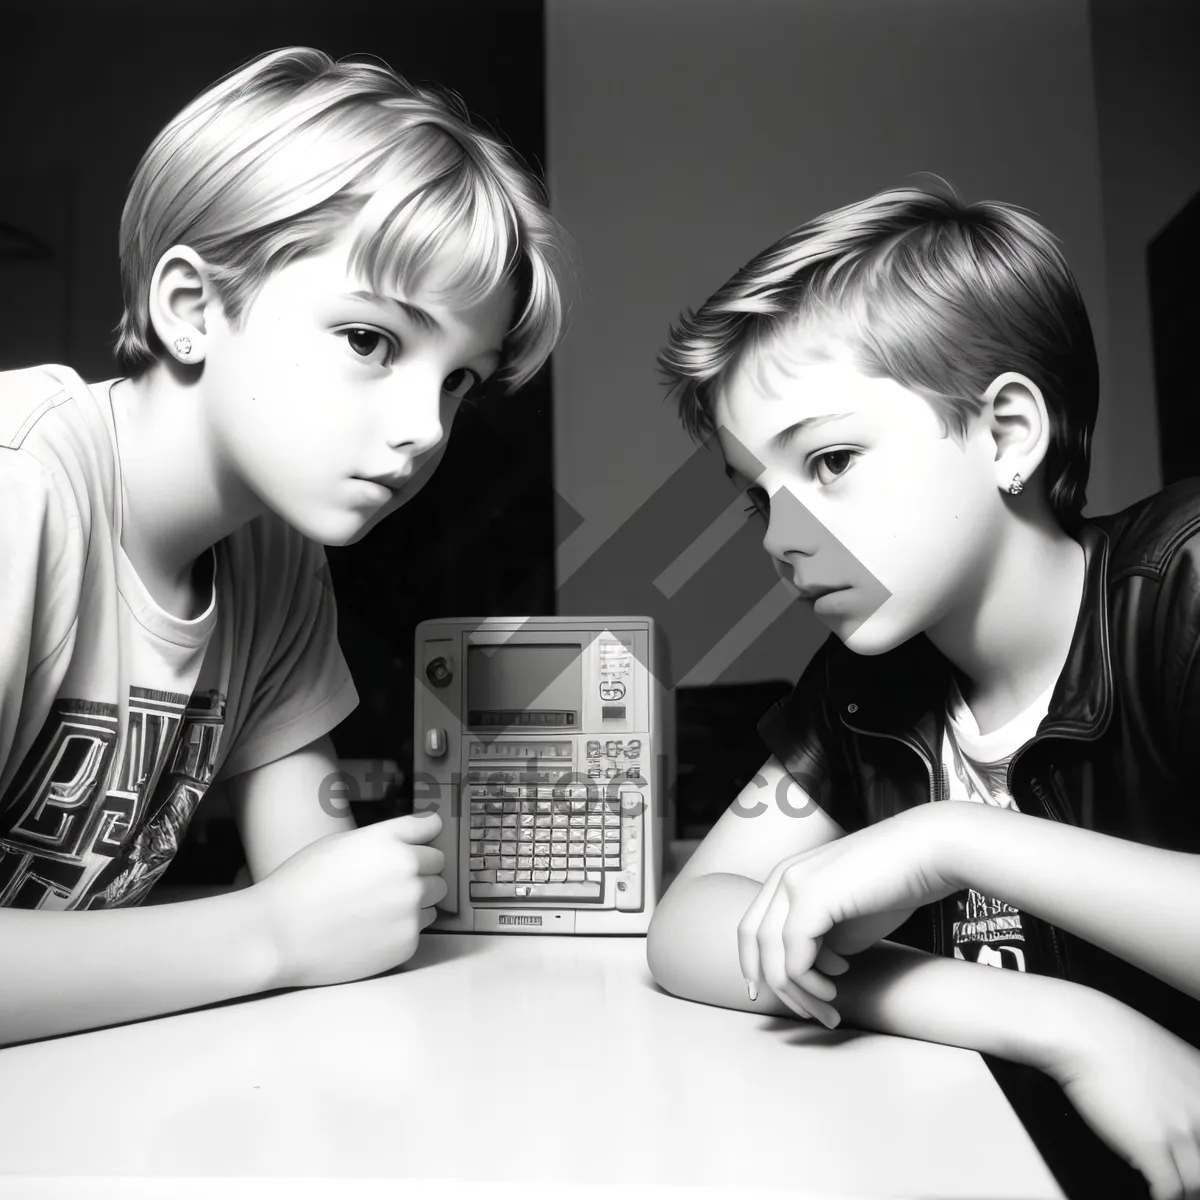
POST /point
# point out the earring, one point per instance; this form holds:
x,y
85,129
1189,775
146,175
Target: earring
x,y
1015,487
183,346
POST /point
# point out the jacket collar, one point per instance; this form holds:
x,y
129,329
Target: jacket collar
x,y
892,693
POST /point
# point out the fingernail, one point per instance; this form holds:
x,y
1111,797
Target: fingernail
x,y
752,989
834,1021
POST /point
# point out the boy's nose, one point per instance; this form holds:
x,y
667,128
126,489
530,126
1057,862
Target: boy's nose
x,y
791,528
415,420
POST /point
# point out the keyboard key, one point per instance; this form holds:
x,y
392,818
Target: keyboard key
x,y
558,876
476,864
613,820
542,835
508,822
491,862
483,876
612,864
524,876
508,862
512,806
558,862
524,862
541,876
541,862
527,820
506,876
577,835
560,821
574,876
543,822
558,835
594,863
491,847
612,835
525,835
476,847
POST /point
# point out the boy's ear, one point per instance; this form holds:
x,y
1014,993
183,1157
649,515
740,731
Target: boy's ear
x,y
180,293
1020,427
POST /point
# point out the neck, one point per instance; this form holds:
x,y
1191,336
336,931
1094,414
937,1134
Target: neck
x,y
1011,643
180,494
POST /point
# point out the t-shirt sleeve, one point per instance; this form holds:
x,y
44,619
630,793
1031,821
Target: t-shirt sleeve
x,y
802,731
41,554
302,688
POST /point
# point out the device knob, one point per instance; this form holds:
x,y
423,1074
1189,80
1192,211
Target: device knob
x,y
435,743
438,672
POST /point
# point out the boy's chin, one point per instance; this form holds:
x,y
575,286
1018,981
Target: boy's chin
x,y
873,636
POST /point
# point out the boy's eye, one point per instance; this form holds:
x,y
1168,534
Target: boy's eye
x,y
459,383
834,462
368,343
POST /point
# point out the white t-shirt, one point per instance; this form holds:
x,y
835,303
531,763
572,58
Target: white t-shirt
x,y
116,716
986,930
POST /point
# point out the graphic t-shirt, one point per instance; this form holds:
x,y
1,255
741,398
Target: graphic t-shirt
x,y
983,929
115,715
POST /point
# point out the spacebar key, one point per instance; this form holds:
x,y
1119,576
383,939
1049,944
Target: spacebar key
x,y
536,891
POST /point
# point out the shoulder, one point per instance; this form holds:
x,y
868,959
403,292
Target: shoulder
x,y
1148,536
53,436
29,395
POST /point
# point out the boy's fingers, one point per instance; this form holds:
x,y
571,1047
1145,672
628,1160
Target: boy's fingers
x,y
415,828
830,962
428,916
430,860
747,937
433,890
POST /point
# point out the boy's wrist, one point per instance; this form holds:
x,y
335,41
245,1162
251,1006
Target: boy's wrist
x,y
1060,1023
261,948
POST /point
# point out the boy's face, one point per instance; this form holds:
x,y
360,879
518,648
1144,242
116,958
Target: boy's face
x,y
881,521
333,406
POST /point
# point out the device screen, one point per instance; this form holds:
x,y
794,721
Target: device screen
x,y
538,683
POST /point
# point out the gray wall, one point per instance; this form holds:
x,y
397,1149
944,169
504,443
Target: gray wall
x,y
684,137
1148,112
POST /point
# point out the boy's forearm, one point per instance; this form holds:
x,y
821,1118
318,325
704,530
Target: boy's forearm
x,y
61,972
1136,901
692,951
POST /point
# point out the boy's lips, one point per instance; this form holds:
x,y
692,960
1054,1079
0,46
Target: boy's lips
x,y
394,481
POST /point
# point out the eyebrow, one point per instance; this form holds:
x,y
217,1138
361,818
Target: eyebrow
x,y
785,437
418,316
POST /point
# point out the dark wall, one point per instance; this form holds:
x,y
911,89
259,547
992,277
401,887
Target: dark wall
x,y
83,91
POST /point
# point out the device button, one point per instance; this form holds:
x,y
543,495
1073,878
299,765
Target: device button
x,y
435,743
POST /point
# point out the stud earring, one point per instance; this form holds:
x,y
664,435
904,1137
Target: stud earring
x,y
183,346
1015,487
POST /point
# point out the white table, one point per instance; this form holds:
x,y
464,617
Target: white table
x,y
535,1065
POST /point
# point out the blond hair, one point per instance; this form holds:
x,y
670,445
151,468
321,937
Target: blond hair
x,y
281,156
941,296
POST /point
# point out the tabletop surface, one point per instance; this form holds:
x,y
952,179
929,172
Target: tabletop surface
x,y
513,1060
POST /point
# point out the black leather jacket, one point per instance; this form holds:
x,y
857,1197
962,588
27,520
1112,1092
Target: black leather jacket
x,y
862,735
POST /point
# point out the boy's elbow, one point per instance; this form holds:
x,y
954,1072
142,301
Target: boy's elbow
x,y
663,945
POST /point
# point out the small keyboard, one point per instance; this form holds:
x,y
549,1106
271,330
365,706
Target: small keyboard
x,y
548,844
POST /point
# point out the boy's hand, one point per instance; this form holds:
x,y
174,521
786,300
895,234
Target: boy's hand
x,y
838,899
353,904
1138,1086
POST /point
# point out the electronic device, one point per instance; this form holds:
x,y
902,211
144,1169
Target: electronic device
x,y
547,746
